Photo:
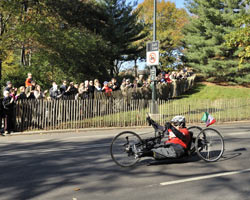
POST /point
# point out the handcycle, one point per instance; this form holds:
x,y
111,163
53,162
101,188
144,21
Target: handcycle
x,y
127,148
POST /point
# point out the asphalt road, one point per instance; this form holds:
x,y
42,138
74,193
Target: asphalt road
x,y
77,166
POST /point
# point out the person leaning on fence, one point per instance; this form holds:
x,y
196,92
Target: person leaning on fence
x,y
97,84
2,116
8,86
91,89
54,92
8,105
106,89
30,92
114,85
22,95
39,94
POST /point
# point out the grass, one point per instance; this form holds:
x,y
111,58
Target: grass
x,y
213,92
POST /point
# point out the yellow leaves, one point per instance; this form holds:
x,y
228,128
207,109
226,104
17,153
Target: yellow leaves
x,y
170,20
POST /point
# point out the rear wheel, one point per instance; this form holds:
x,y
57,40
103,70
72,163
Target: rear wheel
x,y
209,145
125,147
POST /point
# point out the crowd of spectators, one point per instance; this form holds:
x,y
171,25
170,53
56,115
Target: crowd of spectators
x,y
84,90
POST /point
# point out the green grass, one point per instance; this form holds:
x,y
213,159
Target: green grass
x,y
213,92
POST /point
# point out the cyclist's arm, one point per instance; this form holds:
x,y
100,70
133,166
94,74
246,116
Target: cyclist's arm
x,y
178,134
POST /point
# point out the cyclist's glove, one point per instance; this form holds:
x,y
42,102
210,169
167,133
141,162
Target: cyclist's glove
x,y
149,121
168,125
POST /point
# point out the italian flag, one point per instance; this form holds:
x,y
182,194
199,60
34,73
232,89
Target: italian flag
x,y
208,119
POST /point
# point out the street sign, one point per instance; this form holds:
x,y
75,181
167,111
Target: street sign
x,y
152,73
153,46
153,53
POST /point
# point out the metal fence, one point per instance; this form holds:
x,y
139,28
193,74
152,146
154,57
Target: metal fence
x,y
76,114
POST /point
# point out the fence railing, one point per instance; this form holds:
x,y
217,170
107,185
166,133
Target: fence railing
x,y
76,114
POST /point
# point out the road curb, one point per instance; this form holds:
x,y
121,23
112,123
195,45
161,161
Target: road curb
x,y
82,130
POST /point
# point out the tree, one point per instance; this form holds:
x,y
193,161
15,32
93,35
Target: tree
x,y
205,48
170,21
61,39
240,38
61,44
121,31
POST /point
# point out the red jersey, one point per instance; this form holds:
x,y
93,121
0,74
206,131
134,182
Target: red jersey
x,y
167,78
173,139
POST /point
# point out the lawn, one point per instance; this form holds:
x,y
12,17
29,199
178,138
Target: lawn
x,y
213,92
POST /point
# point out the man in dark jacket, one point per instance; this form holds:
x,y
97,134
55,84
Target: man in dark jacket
x,y
8,86
8,105
2,113
54,92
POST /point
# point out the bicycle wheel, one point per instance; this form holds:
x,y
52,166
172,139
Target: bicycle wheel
x,y
124,149
209,145
195,130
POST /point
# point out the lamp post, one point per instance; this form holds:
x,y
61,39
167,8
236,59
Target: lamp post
x,y
154,106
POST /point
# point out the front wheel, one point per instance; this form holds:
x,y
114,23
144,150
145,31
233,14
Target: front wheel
x,y
209,145
125,147
195,132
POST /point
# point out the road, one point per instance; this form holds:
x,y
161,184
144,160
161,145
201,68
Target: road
x,y
77,166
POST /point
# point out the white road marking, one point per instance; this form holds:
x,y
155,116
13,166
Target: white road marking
x,y
204,177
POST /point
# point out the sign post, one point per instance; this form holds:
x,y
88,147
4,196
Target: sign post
x,y
153,60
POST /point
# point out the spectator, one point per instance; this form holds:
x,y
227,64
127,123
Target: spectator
x,y
72,90
106,88
85,94
28,80
54,92
172,76
97,85
140,81
64,89
8,105
167,77
33,85
22,95
128,83
114,85
135,83
91,89
8,86
38,93
2,116
13,93
30,91
80,91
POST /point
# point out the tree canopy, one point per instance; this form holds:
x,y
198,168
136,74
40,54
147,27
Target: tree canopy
x,y
205,45
62,39
170,21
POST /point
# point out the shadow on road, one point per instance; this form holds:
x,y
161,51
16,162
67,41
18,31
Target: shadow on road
x,y
34,169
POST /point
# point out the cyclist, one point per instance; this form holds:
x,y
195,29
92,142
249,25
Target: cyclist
x,y
176,143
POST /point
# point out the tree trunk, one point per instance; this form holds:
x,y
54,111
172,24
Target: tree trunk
x,y
22,59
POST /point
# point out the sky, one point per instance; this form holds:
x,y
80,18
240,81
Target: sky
x,y
178,3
